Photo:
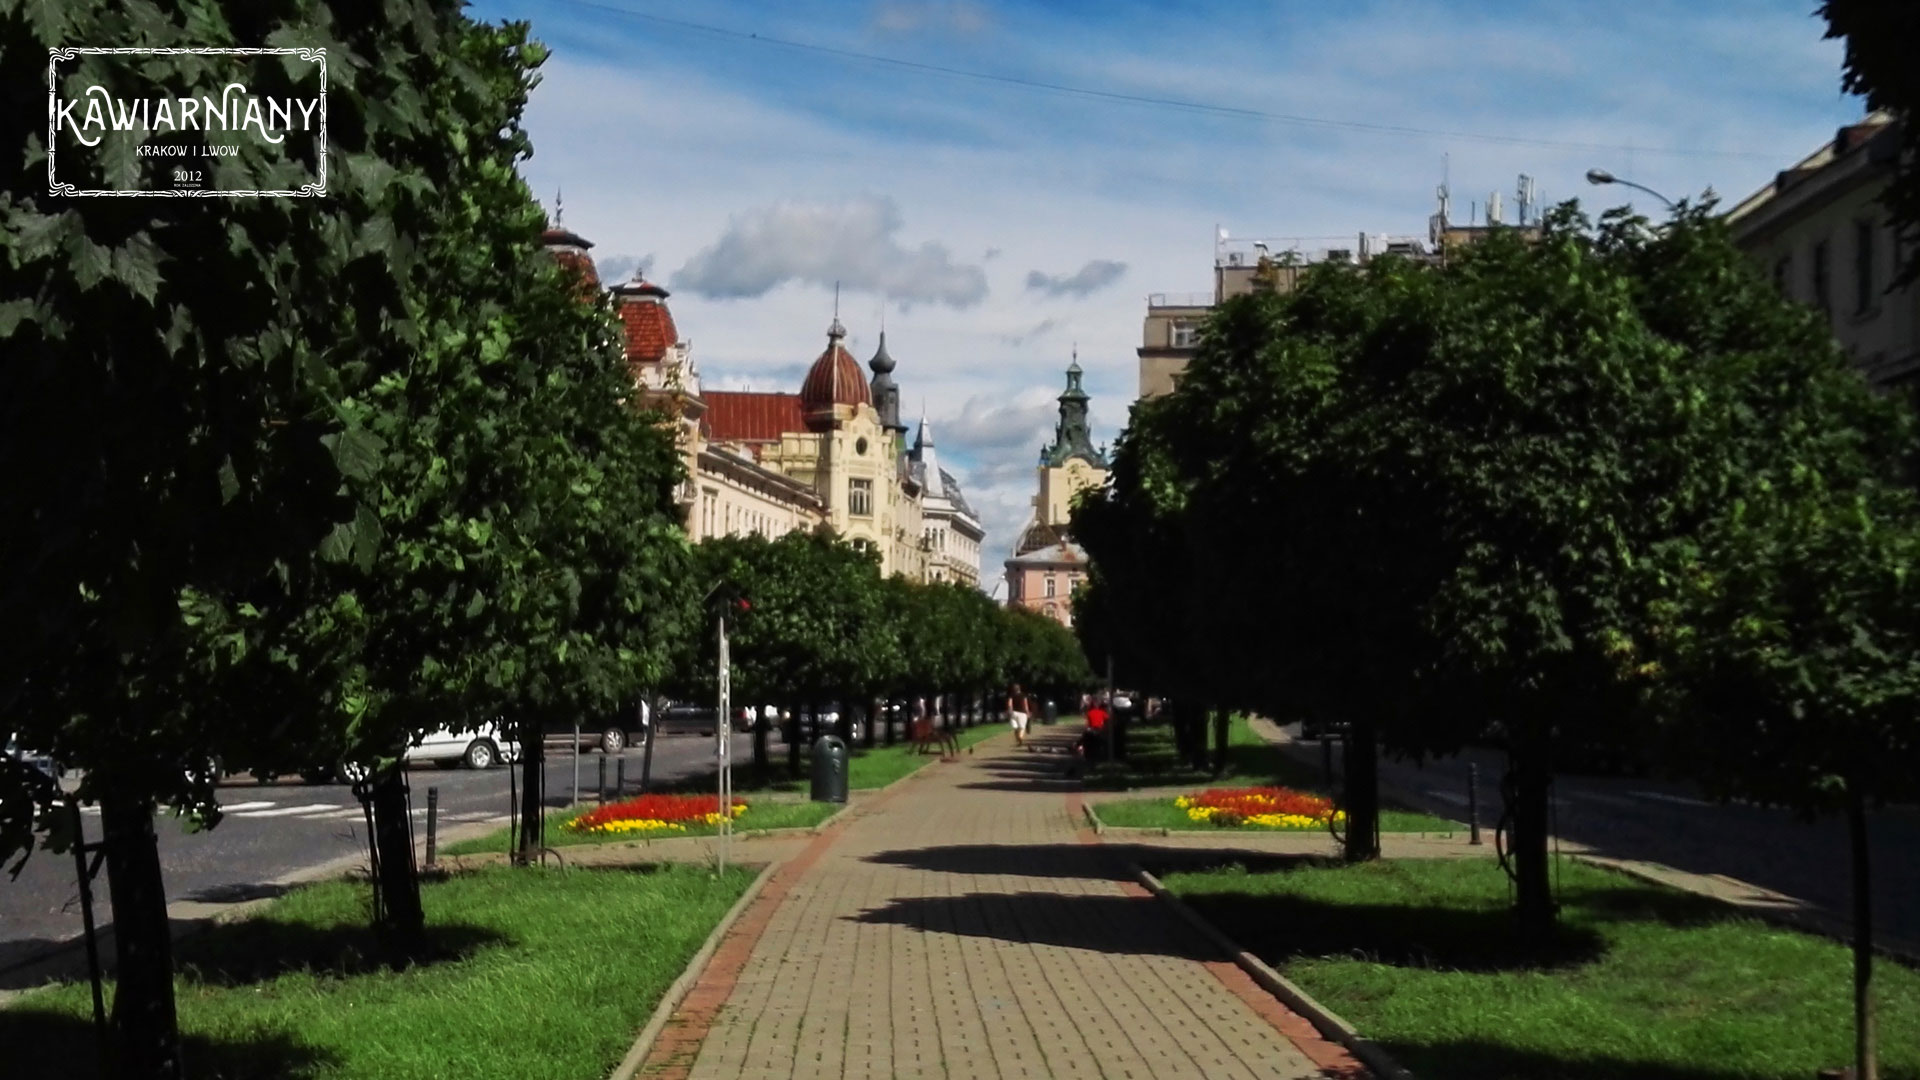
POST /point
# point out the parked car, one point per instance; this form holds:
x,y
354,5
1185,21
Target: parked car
x,y
476,749
481,749
33,759
1313,728
829,718
609,735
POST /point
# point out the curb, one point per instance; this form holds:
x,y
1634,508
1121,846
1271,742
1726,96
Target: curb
x,y
1807,919
677,991
1322,1018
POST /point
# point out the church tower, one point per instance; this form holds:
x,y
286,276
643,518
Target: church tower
x,y
1068,464
886,394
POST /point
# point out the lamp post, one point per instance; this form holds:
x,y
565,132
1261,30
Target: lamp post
x,y
1602,176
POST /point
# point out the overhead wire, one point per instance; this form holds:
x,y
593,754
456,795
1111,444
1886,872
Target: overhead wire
x,y
1402,130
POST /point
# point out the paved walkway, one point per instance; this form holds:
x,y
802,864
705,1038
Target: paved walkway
x,y
964,926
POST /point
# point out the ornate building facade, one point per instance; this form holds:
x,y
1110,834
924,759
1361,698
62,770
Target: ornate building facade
x,y
834,454
1047,565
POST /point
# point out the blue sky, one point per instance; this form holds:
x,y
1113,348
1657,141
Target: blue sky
x,y
1000,224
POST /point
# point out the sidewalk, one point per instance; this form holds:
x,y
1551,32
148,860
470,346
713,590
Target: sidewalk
x,y
965,925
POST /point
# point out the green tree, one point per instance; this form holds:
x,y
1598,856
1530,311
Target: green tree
x,y
1881,38
173,385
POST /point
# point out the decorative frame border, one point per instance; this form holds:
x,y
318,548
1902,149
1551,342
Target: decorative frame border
x,y
56,187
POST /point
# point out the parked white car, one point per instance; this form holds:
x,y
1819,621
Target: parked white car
x,y
482,749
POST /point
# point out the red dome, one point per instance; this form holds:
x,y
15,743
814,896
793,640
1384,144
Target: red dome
x,y
834,379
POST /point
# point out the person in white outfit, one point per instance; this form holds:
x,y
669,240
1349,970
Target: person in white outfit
x,y
1017,714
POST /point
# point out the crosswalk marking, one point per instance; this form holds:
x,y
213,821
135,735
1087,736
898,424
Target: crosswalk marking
x,y
332,812
1661,796
286,811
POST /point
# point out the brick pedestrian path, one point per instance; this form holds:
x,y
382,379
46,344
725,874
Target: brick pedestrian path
x,y
964,927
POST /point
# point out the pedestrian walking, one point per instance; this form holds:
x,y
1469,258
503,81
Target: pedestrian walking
x,y
1018,712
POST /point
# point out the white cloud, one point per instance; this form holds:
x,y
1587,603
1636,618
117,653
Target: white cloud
x,y
1096,274
1036,330
852,242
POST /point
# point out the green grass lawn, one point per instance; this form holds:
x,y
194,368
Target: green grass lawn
x,y
1646,982
543,973
761,814
1162,814
1152,762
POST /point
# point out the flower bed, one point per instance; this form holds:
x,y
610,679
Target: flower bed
x,y
1263,807
654,813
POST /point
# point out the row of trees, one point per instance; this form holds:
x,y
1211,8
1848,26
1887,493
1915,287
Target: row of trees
x,y
1599,484
820,624
297,481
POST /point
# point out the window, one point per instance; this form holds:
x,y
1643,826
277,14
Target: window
x,y
1783,276
1822,278
1863,292
1050,588
860,498
1184,334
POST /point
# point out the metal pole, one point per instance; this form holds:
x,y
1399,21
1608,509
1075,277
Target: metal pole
x,y
1473,802
576,759
86,920
646,753
433,822
620,776
603,779
724,747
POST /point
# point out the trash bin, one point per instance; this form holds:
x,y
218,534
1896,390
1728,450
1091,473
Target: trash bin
x,y
829,769
1052,712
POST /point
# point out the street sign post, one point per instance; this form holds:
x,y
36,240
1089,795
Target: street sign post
x,y
723,744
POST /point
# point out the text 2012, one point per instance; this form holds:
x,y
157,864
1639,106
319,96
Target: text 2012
x,y
188,177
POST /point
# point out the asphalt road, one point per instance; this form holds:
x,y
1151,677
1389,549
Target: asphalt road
x,y
272,830
1670,822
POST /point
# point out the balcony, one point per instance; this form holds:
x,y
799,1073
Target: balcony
x,y
1179,300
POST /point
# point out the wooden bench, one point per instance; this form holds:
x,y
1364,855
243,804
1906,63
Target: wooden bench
x,y
924,734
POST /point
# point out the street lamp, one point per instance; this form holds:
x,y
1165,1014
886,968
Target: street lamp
x,y
1602,176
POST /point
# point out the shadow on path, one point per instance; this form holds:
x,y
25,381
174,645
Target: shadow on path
x,y
1122,925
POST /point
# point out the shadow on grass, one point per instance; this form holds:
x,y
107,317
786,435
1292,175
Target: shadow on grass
x,y
259,950
1122,925
1282,928
1477,1059
40,1044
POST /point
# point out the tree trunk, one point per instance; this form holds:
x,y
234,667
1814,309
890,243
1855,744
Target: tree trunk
x,y
794,738
145,1028
1222,729
761,765
1362,791
533,770
1866,1064
876,712
887,716
1532,763
1194,726
402,922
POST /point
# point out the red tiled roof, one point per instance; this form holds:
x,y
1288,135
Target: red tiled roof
x,y
746,416
834,379
649,325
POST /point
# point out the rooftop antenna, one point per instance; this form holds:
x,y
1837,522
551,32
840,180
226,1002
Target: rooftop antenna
x,y
1524,197
559,213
